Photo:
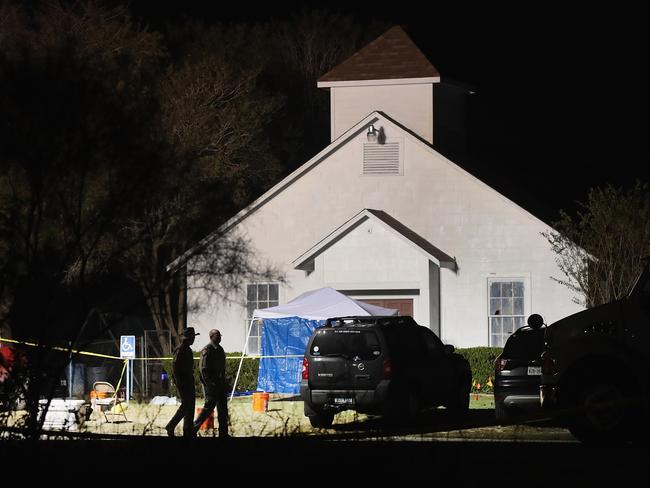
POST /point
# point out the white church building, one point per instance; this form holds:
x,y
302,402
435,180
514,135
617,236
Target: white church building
x,y
382,217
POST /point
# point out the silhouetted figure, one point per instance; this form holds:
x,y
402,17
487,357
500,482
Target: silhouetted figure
x,y
183,374
213,377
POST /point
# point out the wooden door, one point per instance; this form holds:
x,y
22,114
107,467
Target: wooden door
x,y
404,305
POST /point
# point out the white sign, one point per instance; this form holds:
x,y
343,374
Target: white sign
x,y
127,346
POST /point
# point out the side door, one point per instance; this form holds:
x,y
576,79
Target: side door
x,y
406,356
437,370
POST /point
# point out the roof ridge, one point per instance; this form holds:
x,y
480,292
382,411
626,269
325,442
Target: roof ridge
x,y
392,55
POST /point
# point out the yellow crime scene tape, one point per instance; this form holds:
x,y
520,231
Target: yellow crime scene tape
x,y
68,350
59,348
108,356
126,361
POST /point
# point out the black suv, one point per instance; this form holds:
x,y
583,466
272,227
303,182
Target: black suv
x,y
594,368
380,365
518,371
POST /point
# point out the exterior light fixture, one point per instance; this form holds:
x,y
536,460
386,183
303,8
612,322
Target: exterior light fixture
x,y
372,134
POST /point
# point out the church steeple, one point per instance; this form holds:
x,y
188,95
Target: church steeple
x,y
391,75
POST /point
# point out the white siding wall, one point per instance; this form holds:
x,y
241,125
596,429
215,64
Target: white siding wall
x,y
410,105
372,257
488,235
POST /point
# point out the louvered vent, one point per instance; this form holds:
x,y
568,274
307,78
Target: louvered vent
x,y
381,159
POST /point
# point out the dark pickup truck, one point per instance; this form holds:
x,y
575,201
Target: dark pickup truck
x,y
594,368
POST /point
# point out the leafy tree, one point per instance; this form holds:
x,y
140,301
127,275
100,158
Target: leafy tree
x,y
77,140
213,118
601,249
78,150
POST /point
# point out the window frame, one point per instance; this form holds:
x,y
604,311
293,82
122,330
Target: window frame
x,y
256,327
518,320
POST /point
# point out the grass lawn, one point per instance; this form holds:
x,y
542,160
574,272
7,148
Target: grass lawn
x,y
482,400
284,417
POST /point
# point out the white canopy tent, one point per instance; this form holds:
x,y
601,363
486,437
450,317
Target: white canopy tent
x,y
322,304
319,304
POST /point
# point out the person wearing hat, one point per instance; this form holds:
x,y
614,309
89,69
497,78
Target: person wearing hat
x,y
183,374
213,378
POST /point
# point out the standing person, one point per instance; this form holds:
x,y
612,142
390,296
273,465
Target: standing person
x,y
183,375
213,377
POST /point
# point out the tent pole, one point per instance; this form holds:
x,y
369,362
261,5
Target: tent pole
x,y
241,359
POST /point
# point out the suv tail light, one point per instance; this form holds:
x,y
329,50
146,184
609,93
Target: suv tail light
x,y
387,371
501,364
305,369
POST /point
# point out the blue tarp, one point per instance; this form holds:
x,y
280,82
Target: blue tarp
x,y
286,330
280,337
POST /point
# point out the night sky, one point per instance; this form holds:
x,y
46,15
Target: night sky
x,y
561,97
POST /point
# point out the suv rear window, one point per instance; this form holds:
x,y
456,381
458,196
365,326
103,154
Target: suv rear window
x,y
347,343
524,344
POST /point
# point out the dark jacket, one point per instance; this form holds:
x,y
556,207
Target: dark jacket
x,y
183,367
213,367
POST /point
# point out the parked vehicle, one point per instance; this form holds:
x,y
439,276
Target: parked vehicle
x,y
595,364
518,370
380,365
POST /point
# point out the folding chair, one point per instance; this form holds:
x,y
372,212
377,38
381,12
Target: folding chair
x,y
107,400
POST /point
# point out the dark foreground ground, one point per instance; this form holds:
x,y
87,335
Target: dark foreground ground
x,y
320,460
438,449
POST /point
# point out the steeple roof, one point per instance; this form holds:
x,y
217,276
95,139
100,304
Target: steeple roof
x,y
391,56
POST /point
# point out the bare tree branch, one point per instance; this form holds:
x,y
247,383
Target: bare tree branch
x,y
600,251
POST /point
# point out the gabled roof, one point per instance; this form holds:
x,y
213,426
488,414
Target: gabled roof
x,y
392,56
279,187
322,156
305,260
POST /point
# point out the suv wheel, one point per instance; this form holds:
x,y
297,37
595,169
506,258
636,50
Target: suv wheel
x,y
458,404
317,417
321,420
412,408
603,413
402,408
501,414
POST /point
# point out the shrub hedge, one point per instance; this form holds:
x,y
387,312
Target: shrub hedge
x,y
248,374
481,360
